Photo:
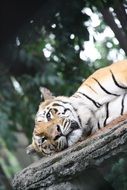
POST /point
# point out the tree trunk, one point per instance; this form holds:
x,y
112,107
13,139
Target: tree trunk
x,y
73,167
119,32
121,14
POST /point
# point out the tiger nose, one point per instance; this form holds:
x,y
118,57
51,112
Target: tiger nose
x,y
57,132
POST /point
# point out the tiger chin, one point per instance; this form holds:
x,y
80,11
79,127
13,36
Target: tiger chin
x,y
62,121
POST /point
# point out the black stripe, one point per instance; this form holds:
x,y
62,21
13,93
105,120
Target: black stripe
x,y
115,81
56,104
122,104
91,88
65,109
79,120
98,105
107,114
104,88
76,96
98,124
55,110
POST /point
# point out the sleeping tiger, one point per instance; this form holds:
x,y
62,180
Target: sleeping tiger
x,y
45,136
99,100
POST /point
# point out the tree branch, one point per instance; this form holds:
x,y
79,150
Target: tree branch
x,y
54,171
119,32
121,14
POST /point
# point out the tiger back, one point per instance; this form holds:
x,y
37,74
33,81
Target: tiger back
x,y
105,84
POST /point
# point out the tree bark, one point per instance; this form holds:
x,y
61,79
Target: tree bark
x,y
69,169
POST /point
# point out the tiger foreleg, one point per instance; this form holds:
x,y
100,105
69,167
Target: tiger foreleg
x,y
71,139
62,143
74,137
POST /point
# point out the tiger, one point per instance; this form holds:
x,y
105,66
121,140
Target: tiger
x,y
100,99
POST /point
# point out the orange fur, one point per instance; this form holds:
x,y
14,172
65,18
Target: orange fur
x,y
46,128
119,69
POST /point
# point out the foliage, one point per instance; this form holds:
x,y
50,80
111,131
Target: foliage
x,y
118,171
11,165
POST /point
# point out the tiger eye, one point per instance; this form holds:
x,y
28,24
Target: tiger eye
x,y
48,115
43,139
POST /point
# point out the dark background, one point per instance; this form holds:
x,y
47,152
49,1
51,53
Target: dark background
x,y
14,14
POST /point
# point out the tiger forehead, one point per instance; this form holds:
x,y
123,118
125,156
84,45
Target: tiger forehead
x,y
45,103
53,101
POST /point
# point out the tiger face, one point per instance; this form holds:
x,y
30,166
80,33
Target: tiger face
x,y
48,137
55,126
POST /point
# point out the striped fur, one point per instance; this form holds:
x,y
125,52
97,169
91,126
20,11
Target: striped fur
x,y
99,100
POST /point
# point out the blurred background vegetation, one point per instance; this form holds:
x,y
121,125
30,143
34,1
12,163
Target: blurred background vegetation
x,y
56,44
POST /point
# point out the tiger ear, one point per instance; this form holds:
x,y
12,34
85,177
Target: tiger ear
x,y
46,93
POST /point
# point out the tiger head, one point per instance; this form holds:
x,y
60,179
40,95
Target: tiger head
x,y
54,122
47,136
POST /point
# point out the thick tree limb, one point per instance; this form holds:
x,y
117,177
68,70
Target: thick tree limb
x,y
54,171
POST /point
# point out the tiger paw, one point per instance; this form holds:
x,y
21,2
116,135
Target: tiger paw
x,y
62,143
